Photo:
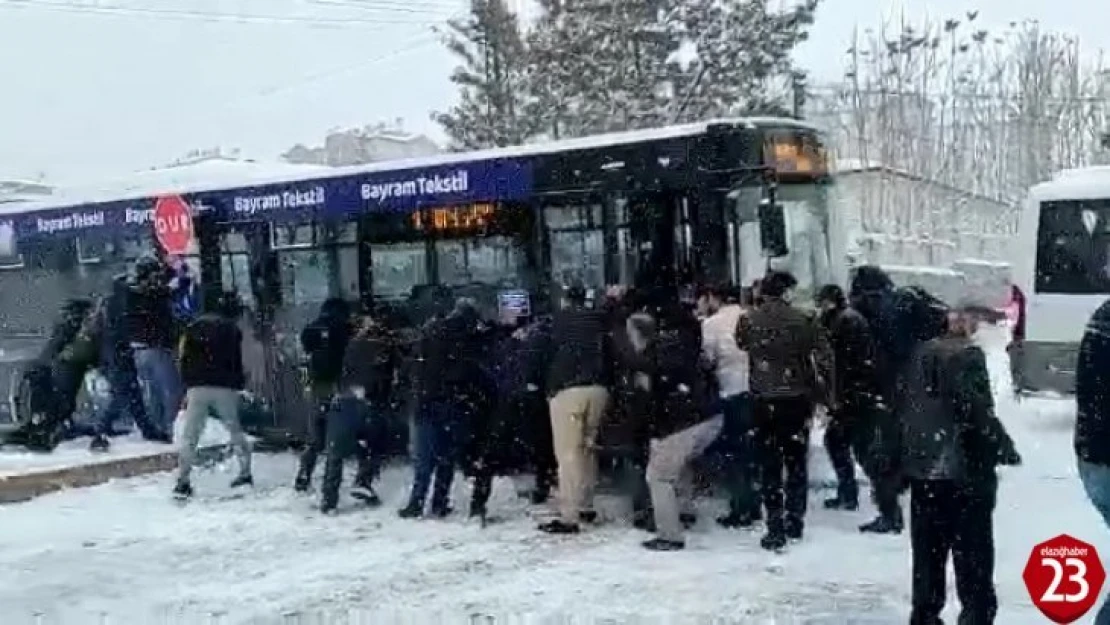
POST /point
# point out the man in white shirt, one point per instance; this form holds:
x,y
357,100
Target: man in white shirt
x,y
721,311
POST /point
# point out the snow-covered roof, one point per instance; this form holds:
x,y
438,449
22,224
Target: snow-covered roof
x,y
1087,183
286,173
181,178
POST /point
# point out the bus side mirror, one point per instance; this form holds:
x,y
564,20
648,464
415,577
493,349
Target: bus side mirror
x,y
772,229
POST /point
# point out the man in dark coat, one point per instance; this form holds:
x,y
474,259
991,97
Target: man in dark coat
x,y
324,341
951,444
356,420
900,319
153,334
55,377
212,370
790,359
451,351
578,382
117,364
501,437
1092,423
683,420
852,389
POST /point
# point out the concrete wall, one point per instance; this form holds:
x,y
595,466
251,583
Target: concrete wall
x,y
896,219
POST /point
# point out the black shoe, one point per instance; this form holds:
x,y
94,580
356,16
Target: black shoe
x,y
441,512
99,443
302,483
662,544
183,490
850,504
882,525
736,520
159,437
365,493
477,510
329,509
793,528
588,516
558,526
411,511
773,541
644,520
688,520
243,480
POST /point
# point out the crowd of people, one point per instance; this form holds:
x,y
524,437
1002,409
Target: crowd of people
x,y
902,386
743,374
130,337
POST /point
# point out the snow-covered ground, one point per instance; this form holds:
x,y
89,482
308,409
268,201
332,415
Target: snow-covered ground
x,y
17,460
125,551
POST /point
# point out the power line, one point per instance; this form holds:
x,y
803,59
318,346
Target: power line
x,y
378,5
210,16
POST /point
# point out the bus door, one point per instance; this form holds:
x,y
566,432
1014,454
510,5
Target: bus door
x,y
249,265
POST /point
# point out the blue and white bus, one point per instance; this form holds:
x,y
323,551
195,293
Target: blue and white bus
x,y
681,202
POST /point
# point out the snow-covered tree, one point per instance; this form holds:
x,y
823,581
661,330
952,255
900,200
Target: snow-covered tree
x,y
490,77
602,65
742,61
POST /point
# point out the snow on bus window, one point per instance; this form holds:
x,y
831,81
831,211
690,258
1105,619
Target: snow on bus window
x,y
398,268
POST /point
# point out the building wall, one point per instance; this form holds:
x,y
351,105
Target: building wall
x,y
895,219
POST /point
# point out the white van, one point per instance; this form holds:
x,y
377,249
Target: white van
x,y
1062,264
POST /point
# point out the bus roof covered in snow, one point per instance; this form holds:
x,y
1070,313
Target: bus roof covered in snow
x,y
501,174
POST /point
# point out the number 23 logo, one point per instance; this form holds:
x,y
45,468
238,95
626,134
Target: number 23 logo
x,y
1078,577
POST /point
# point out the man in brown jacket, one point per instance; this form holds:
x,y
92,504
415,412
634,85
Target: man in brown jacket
x,y
790,360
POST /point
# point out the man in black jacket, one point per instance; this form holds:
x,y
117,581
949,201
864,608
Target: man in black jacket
x,y
852,389
357,416
1092,423
578,383
666,359
951,444
152,330
117,363
212,370
324,341
451,351
789,361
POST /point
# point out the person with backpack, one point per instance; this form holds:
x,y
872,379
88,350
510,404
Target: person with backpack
x,y
790,363
324,341
900,319
211,353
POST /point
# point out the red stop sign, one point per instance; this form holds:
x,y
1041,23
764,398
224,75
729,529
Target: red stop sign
x,y
173,224
1064,576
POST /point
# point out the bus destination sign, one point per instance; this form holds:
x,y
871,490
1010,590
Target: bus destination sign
x,y
797,156
452,219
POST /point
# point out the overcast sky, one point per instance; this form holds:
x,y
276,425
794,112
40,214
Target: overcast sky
x,y
100,87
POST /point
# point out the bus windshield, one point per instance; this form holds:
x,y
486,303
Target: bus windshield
x,y
1073,247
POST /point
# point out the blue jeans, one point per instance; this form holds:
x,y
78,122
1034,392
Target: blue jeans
x,y
126,401
1096,481
157,369
353,429
439,437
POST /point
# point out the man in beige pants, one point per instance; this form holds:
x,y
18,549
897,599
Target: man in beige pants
x,y
578,380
